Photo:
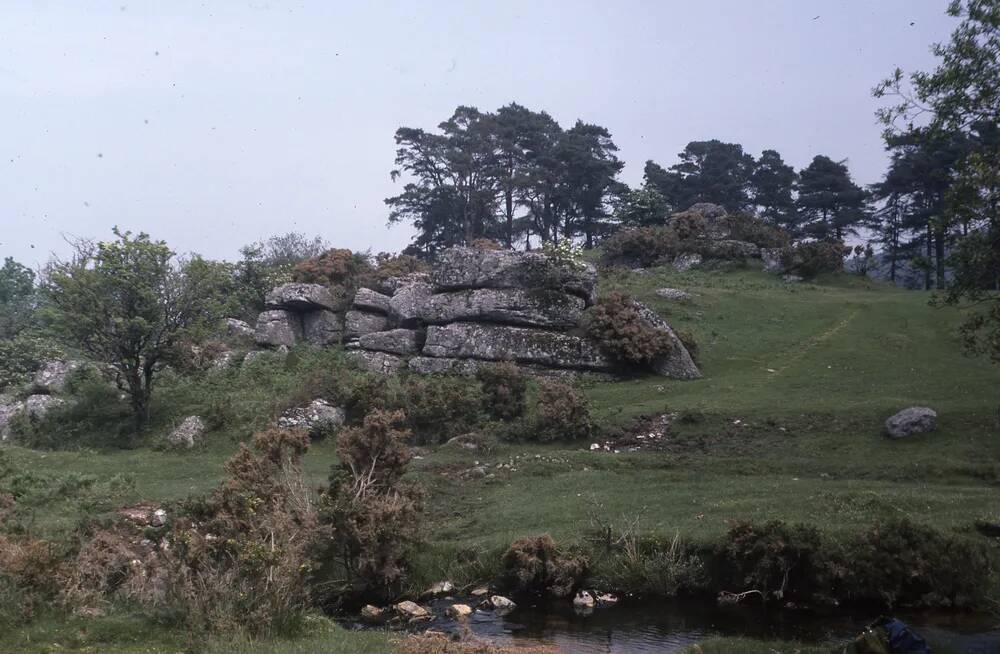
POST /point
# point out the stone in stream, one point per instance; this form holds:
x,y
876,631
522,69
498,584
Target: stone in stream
x,y
502,604
372,614
459,611
411,611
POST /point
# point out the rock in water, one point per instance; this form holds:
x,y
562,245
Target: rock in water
x,y
410,610
188,432
520,344
278,327
465,268
302,297
678,364
322,328
513,306
501,604
393,341
459,611
912,420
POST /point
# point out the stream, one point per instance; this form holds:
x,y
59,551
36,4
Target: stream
x,y
670,626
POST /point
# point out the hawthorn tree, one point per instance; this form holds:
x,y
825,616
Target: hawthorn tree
x,y
127,302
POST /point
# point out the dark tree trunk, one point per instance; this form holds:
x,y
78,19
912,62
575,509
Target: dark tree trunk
x,y
927,268
939,258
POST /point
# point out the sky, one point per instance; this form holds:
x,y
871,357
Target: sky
x,y
215,124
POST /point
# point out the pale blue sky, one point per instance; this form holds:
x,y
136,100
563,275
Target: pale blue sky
x,y
213,124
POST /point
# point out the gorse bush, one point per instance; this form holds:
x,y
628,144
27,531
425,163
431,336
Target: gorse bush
x,y
688,225
373,514
615,323
643,246
504,389
560,413
534,565
439,407
749,228
812,258
335,267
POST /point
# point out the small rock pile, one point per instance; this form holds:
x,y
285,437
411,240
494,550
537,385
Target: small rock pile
x,y
49,382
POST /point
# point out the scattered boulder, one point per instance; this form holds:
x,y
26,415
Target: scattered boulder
x,y
585,600
37,407
278,327
369,300
674,294
318,416
359,323
459,611
53,376
238,328
406,303
910,421
677,364
302,297
372,614
502,604
520,344
159,518
513,306
464,268
188,432
9,408
440,589
382,363
772,260
393,341
408,610
687,261
322,328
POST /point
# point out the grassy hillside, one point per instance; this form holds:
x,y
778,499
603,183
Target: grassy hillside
x,y
786,423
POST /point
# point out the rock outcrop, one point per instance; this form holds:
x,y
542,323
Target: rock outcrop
x,y
475,308
317,417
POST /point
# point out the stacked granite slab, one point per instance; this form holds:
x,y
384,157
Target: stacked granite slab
x,y
300,313
483,306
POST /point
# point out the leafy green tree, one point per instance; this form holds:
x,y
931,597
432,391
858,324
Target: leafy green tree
x,y
17,297
772,187
830,204
962,94
641,207
126,302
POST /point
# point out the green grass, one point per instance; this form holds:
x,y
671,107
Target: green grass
x,y
810,371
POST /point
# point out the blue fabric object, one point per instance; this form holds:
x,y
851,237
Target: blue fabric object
x,y
903,640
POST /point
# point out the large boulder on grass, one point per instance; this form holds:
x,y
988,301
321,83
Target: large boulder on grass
x,y
278,327
547,308
187,433
302,297
465,268
316,417
910,421
677,363
518,344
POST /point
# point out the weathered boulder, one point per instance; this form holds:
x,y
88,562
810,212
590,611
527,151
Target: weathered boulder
x,y
439,589
408,610
372,614
390,285
502,604
302,297
713,219
513,306
459,611
359,323
393,341
318,416
408,300
727,249
53,376
584,600
368,300
708,210
261,355
520,344
187,433
772,260
673,294
678,364
379,362
686,261
278,327
912,420
462,268
9,409
237,328
322,328
37,407
435,366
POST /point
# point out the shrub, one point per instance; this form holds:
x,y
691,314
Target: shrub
x,y
28,569
561,413
22,355
373,514
746,227
900,562
399,265
688,225
534,565
689,342
615,323
335,267
813,257
504,388
644,246
781,561
485,244
439,407
563,253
